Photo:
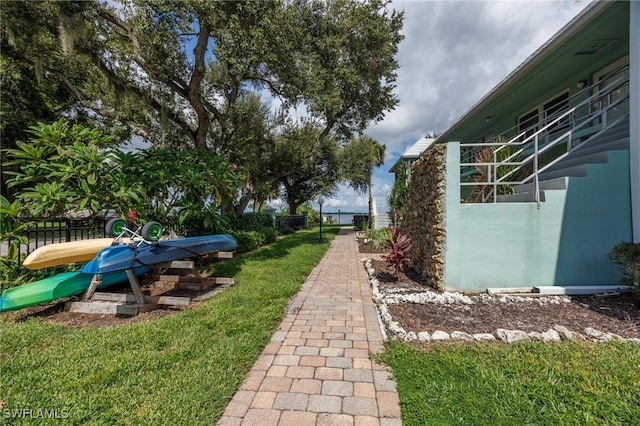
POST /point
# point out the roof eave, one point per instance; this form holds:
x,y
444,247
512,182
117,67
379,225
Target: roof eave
x,y
584,18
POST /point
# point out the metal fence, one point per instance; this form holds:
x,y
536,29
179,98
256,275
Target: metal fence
x,y
292,221
40,232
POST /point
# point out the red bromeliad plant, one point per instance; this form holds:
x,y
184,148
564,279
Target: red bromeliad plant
x,y
399,244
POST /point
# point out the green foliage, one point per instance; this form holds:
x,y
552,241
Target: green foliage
x,y
207,94
66,167
183,185
399,197
228,223
270,234
251,230
399,245
360,222
247,240
506,153
520,384
378,237
359,157
26,99
313,215
305,163
12,273
250,221
207,223
627,257
10,229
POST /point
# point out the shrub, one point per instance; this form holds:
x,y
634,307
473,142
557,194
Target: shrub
x,y
378,237
399,244
627,257
247,240
360,221
214,223
250,221
270,234
291,223
313,218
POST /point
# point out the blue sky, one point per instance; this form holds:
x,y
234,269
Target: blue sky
x,y
453,53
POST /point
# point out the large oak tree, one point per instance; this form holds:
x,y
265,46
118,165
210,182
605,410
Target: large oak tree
x,y
187,73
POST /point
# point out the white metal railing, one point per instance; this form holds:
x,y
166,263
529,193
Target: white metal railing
x,y
588,115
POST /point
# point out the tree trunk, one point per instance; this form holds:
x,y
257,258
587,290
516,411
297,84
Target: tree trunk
x,y
371,224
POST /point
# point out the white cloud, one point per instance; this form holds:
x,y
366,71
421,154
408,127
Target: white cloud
x,y
453,53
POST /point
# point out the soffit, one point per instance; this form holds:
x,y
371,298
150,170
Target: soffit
x,y
578,46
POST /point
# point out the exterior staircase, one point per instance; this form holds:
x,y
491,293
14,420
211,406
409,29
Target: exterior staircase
x,y
561,146
383,220
594,150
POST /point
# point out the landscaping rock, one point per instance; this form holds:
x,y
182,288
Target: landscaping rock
x,y
484,337
535,335
567,334
461,335
423,336
550,336
440,335
511,336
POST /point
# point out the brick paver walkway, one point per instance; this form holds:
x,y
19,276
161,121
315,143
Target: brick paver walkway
x,y
316,369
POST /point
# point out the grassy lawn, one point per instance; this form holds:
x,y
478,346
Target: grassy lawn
x,y
519,384
180,369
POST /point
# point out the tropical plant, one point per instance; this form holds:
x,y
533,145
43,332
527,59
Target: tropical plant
x,y
359,157
483,193
399,245
378,237
10,228
66,167
183,184
399,197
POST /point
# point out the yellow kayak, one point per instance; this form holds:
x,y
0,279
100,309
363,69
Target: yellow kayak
x,y
63,253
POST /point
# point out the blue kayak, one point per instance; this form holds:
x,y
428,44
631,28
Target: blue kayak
x,y
125,256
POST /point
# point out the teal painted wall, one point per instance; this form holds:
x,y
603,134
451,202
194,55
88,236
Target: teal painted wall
x,y
564,242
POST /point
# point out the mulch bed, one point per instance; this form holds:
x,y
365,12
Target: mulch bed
x,y
618,314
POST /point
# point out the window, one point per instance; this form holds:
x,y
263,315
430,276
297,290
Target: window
x,y
547,111
614,82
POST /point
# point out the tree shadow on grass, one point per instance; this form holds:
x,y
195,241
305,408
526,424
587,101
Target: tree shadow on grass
x,y
276,250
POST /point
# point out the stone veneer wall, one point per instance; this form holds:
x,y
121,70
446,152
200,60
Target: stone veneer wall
x,y
425,216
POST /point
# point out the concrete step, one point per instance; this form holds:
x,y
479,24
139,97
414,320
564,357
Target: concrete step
x,y
520,197
553,184
580,289
614,145
576,171
569,161
383,221
619,130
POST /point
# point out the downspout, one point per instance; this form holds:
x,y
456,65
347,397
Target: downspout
x,y
634,116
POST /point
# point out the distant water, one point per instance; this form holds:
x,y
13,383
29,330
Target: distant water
x,y
340,218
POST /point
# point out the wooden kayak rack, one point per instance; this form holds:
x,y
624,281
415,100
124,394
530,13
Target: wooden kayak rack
x,y
95,302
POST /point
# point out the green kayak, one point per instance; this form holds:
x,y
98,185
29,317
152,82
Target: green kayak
x,y
55,287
